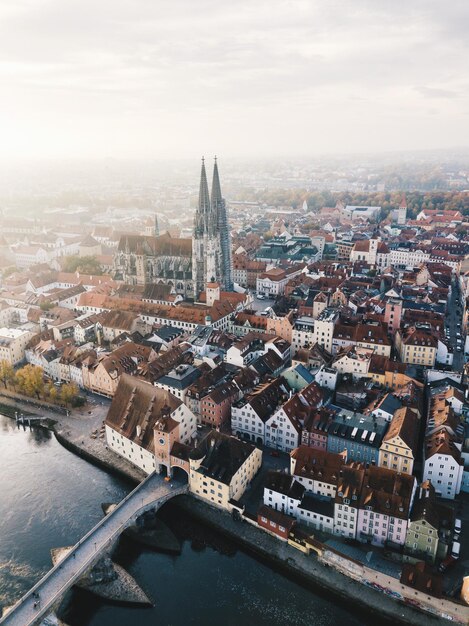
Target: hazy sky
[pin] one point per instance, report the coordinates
(149, 78)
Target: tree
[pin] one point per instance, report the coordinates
(30, 380)
(68, 393)
(52, 393)
(84, 264)
(7, 372)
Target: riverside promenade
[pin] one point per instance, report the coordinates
(46, 595)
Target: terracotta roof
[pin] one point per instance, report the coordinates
(421, 576)
(139, 404)
(442, 442)
(387, 492)
(276, 516)
(404, 424)
(121, 320)
(418, 337)
(266, 397)
(316, 464)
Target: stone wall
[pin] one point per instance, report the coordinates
(443, 607)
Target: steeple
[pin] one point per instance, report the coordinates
(216, 197)
(204, 198)
(223, 229)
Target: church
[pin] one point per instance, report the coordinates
(184, 264)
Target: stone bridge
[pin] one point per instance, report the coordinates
(46, 595)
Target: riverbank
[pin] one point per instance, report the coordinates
(73, 432)
(269, 549)
(306, 569)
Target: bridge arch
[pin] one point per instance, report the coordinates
(152, 493)
(180, 473)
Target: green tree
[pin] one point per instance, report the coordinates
(30, 380)
(7, 372)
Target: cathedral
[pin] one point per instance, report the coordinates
(211, 244)
(184, 265)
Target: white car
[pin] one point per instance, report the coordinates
(260, 296)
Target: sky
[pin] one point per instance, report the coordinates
(182, 78)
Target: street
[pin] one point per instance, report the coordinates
(260, 305)
(453, 318)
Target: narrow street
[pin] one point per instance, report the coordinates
(454, 325)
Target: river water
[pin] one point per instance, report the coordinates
(49, 498)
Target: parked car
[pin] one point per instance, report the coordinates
(260, 296)
(456, 550)
(457, 526)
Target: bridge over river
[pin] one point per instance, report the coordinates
(46, 595)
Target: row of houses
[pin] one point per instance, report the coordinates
(371, 504)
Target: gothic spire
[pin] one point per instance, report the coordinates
(203, 208)
(221, 225)
(204, 198)
(216, 189)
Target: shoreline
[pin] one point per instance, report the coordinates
(270, 550)
(106, 466)
(306, 570)
(259, 544)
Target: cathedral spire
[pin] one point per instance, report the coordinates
(216, 197)
(221, 225)
(204, 198)
(203, 208)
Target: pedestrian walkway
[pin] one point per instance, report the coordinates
(152, 493)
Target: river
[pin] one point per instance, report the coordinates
(49, 497)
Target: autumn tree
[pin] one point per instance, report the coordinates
(30, 380)
(52, 393)
(7, 372)
(68, 393)
(84, 264)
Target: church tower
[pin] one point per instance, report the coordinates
(221, 219)
(211, 245)
(199, 238)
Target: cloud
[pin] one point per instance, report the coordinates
(436, 92)
(83, 78)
